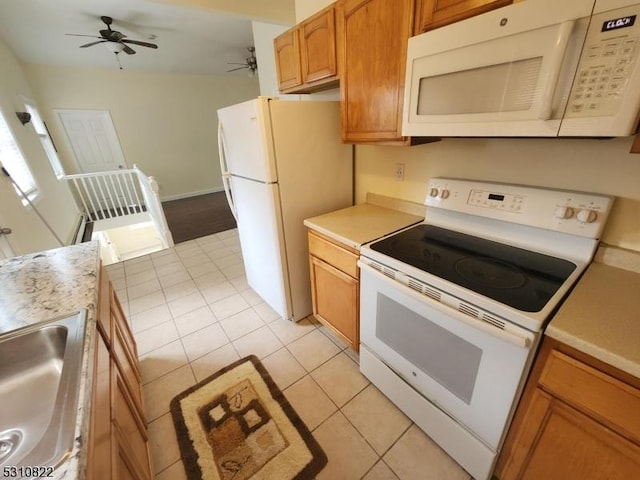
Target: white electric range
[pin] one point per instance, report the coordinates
(452, 310)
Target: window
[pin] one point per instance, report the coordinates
(45, 139)
(12, 159)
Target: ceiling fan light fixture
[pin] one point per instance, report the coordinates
(114, 47)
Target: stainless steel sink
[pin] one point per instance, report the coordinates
(40, 367)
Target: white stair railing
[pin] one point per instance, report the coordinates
(119, 193)
(107, 195)
(150, 188)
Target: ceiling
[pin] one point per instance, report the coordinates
(190, 39)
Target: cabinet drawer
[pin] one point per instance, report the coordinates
(602, 396)
(333, 254)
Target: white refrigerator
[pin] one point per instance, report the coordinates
(282, 161)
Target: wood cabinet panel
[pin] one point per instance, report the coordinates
(568, 444)
(318, 46)
(336, 300)
(306, 58)
(606, 398)
(372, 52)
(99, 461)
(333, 254)
(432, 14)
(118, 446)
(128, 368)
(287, 52)
(572, 421)
(130, 432)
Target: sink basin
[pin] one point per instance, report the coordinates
(39, 376)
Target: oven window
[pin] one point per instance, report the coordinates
(446, 358)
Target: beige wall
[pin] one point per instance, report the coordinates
(306, 8)
(603, 166)
(270, 10)
(54, 201)
(166, 123)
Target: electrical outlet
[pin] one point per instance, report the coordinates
(400, 172)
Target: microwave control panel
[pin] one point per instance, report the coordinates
(609, 57)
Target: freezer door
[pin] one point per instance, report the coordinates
(262, 242)
(246, 133)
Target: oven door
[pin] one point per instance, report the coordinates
(468, 368)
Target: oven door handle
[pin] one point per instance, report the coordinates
(401, 282)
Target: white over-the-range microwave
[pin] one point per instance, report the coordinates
(537, 68)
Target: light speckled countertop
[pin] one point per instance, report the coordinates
(600, 317)
(354, 226)
(41, 286)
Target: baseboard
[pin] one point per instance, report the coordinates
(191, 194)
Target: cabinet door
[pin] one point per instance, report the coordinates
(559, 442)
(432, 14)
(131, 455)
(99, 461)
(318, 47)
(373, 38)
(336, 301)
(287, 52)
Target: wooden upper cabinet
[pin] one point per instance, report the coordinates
(306, 54)
(287, 52)
(432, 14)
(318, 46)
(372, 51)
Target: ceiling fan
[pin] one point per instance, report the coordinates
(251, 63)
(116, 41)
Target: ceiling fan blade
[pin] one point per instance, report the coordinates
(138, 42)
(234, 69)
(80, 35)
(127, 49)
(92, 44)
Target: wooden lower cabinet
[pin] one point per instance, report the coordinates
(118, 446)
(335, 283)
(578, 419)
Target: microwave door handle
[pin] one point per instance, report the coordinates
(226, 181)
(557, 56)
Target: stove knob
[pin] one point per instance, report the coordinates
(587, 216)
(433, 192)
(564, 212)
(444, 193)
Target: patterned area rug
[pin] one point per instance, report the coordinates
(237, 425)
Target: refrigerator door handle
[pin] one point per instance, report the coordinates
(226, 181)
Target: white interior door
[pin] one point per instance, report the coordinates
(93, 140)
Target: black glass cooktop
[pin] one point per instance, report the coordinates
(516, 277)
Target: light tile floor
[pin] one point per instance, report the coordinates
(192, 312)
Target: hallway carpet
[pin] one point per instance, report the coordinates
(199, 216)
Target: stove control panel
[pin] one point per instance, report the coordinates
(577, 213)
